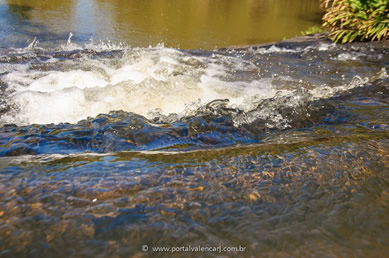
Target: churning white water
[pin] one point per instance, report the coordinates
(72, 83)
(140, 81)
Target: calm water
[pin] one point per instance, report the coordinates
(280, 150)
(176, 23)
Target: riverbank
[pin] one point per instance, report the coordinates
(301, 41)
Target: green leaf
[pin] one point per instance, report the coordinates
(350, 20)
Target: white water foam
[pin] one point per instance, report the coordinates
(146, 81)
(141, 81)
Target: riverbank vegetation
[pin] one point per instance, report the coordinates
(356, 20)
(313, 30)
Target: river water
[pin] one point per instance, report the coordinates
(108, 149)
(193, 24)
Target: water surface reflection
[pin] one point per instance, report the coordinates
(176, 23)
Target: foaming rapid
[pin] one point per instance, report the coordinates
(153, 80)
(73, 82)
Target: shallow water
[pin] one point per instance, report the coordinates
(189, 24)
(282, 150)
(108, 149)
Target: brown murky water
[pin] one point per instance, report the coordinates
(189, 24)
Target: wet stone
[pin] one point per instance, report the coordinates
(104, 208)
(77, 202)
(121, 202)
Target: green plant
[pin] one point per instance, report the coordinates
(350, 20)
(312, 30)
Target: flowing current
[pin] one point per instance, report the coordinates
(282, 149)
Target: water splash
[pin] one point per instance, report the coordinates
(75, 82)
